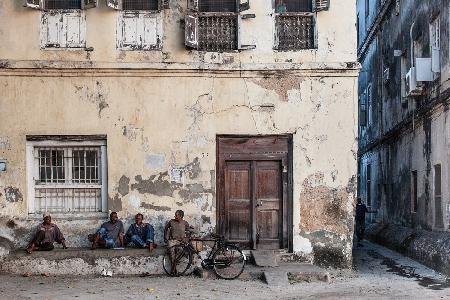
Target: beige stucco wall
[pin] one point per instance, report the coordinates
(161, 113)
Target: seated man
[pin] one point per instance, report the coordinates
(110, 234)
(46, 234)
(174, 231)
(140, 234)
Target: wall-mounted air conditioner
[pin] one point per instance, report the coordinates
(423, 70)
(411, 83)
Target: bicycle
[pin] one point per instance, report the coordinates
(225, 258)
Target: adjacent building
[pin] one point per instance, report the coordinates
(241, 113)
(404, 132)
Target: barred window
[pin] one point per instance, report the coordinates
(68, 178)
(62, 4)
(295, 25)
(140, 4)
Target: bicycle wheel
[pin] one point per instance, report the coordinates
(178, 255)
(228, 262)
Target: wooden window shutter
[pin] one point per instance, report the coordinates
(191, 31)
(35, 4)
(244, 5)
(116, 4)
(320, 5)
(86, 4)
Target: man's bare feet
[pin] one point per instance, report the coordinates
(30, 248)
(94, 246)
(151, 247)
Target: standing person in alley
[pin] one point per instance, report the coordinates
(360, 219)
(140, 234)
(46, 234)
(110, 234)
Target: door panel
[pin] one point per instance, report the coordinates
(268, 187)
(238, 201)
(254, 190)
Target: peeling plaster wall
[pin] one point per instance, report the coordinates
(177, 121)
(161, 116)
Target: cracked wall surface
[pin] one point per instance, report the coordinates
(161, 115)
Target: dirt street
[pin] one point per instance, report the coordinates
(378, 274)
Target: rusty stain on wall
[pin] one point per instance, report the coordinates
(280, 84)
(323, 208)
(96, 94)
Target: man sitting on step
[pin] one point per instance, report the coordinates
(140, 234)
(110, 234)
(46, 234)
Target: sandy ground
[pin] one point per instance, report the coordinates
(378, 274)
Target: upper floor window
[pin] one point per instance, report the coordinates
(139, 24)
(295, 23)
(213, 25)
(63, 22)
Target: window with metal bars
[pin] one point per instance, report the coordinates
(68, 179)
(295, 25)
(294, 32)
(212, 25)
(140, 4)
(62, 4)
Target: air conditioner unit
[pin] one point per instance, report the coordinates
(411, 83)
(423, 70)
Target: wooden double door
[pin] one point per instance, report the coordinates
(253, 190)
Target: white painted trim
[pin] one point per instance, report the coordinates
(104, 178)
(30, 170)
(51, 143)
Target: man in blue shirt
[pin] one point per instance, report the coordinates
(141, 234)
(110, 235)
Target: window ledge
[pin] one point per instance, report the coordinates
(71, 216)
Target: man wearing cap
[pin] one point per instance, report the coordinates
(46, 234)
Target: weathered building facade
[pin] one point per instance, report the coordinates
(403, 47)
(242, 114)
(403, 128)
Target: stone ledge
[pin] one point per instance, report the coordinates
(428, 247)
(86, 253)
(83, 261)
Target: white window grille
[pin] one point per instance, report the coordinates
(67, 177)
